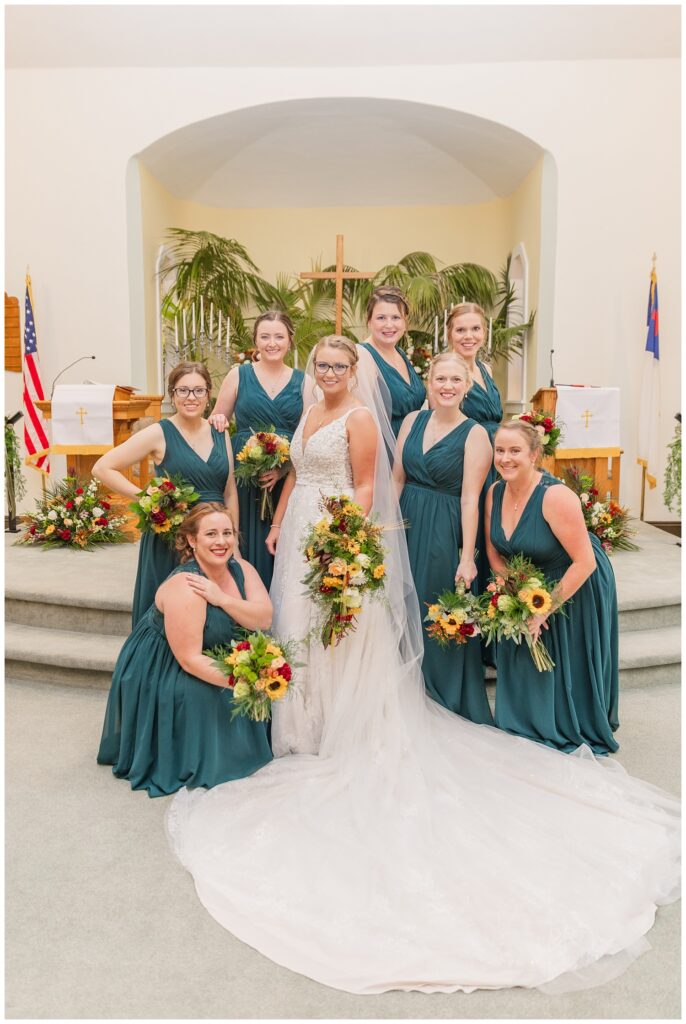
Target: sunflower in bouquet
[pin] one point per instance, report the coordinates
(162, 506)
(345, 559)
(512, 597)
(263, 451)
(259, 671)
(453, 616)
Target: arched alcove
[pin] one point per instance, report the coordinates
(392, 175)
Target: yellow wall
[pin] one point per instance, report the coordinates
(290, 240)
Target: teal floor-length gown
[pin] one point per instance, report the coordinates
(484, 406)
(164, 728)
(256, 410)
(157, 558)
(430, 502)
(405, 398)
(577, 701)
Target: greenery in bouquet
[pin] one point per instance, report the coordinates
(549, 430)
(162, 506)
(259, 671)
(73, 514)
(672, 492)
(608, 520)
(453, 616)
(345, 559)
(263, 451)
(510, 600)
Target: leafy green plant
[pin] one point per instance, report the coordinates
(15, 485)
(672, 491)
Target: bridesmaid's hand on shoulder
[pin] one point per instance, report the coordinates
(218, 421)
(206, 589)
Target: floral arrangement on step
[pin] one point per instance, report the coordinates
(345, 559)
(162, 506)
(512, 598)
(608, 520)
(546, 426)
(263, 451)
(259, 673)
(420, 358)
(453, 616)
(73, 514)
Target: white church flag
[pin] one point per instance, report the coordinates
(588, 417)
(82, 416)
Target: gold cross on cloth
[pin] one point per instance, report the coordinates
(81, 412)
(586, 415)
(338, 276)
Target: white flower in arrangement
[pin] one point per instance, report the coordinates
(534, 582)
(52, 514)
(504, 603)
(583, 498)
(243, 657)
(96, 512)
(363, 559)
(68, 522)
(78, 500)
(357, 579)
(145, 503)
(598, 508)
(351, 596)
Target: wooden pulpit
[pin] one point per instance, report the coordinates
(128, 409)
(603, 464)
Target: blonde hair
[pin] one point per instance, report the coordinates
(191, 524)
(182, 369)
(339, 342)
(444, 357)
(530, 435)
(461, 309)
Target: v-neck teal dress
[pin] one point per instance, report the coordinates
(577, 701)
(156, 558)
(165, 728)
(256, 410)
(405, 398)
(430, 502)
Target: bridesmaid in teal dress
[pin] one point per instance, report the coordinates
(534, 514)
(185, 444)
(443, 459)
(467, 334)
(168, 720)
(387, 315)
(264, 394)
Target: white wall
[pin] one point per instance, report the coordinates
(611, 128)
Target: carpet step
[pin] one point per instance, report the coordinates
(650, 657)
(50, 613)
(60, 655)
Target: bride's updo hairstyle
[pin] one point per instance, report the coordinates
(344, 344)
(450, 357)
(191, 524)
(530, 436)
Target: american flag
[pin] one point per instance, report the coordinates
(35, 436)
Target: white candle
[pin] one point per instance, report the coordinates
(185, 331)
(228, 333)
(490, 334)
(436, 334)
(219, 333)
(194, 335)
(176, 332)
(202, 311)
(445, 328)
(211, 318)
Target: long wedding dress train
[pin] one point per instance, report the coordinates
(419, 851)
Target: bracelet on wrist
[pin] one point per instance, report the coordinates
(276, 526)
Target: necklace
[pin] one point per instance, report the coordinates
(525, 494)
(274, 388)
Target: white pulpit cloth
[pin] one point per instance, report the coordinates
(588, 416)
(82, 414)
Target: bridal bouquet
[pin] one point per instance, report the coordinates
(345, 556)
(264, 450)
(259, 673)
(608, 520)
(550, 432)
(162, 505)
(73, 515)
(453, 616)
(510, 600)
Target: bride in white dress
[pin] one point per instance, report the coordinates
(415, 850)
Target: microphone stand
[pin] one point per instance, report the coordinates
(79, 360)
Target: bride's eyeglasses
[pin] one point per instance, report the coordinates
(338, 368)
(185, 392)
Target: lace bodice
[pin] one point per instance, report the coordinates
(324, 463)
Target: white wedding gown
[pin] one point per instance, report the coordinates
(418, 851)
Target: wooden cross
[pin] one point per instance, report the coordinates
(81, 412)
(587, 415)
(339, 276)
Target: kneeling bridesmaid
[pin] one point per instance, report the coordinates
(168, 720)
(531, 513)
(442, 461)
